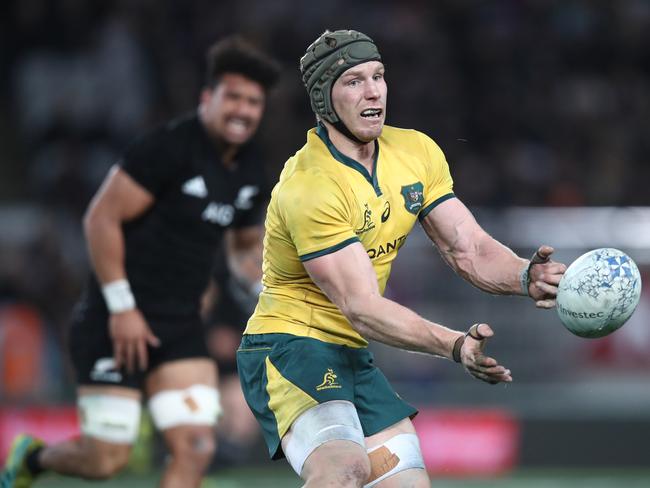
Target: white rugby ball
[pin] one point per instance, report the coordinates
(598, 292)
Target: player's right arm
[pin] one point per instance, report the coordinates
(349, 281)
(119, 199)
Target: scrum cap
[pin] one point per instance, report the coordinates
(326, 59)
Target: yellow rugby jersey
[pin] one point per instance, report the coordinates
(325, 201)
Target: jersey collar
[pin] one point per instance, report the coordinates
(321, 131)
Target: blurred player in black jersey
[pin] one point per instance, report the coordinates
(152, 231)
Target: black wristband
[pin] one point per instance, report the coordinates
(455, 353)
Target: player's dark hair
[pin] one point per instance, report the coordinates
(235, 55)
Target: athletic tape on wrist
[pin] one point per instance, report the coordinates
(458, 343)
(524, 280)
(118, 296)
(524, 277)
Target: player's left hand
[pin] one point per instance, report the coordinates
(478, 364)
(544, 277)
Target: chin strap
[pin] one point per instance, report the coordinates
(342, 128)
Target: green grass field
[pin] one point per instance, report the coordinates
(284, 478)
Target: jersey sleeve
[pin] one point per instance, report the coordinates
(316, 214)
(152, 161)
(439, 185)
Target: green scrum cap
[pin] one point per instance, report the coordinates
(326, 59)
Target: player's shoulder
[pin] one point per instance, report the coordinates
(186, 129)
(411, 141)
(170, 133)
(310, 167)
(401, 135)
(306, 187)
(305, 192)
(311, 180)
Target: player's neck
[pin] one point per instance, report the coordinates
(363, 153)
(228, 152)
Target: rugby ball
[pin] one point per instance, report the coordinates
(598, 292)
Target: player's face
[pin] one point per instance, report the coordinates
(233, 109)
(359, 98)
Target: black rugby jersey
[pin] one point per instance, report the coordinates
(170, 249)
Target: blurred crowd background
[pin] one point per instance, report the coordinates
(536, 103)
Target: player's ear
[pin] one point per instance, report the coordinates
(206, 94)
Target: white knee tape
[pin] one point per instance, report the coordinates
(196, 405)
(109, 418)
(397, 454)
(329, 421)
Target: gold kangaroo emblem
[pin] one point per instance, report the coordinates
(368, 224)
(329, 381)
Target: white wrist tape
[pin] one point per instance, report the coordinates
(524, 280)
(118, 296)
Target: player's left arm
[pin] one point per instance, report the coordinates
(485, 262)
(244, 255)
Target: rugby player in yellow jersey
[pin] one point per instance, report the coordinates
(343, 206)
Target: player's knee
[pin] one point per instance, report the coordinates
(203, 449)
(355, 471)
(195, 450)
(352, 470)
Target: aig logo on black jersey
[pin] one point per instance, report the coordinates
(218, 213)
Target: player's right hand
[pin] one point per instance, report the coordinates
(131, 334)
(544, 278)
(478, 364)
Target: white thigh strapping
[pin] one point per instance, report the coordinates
(196, 405)
(334, 420)
(109, 418)
(397, 454)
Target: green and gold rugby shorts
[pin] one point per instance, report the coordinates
(283, 375)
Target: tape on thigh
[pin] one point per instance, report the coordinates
(397, 454)
(329, 421)
(196, 405)
(109, 418)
